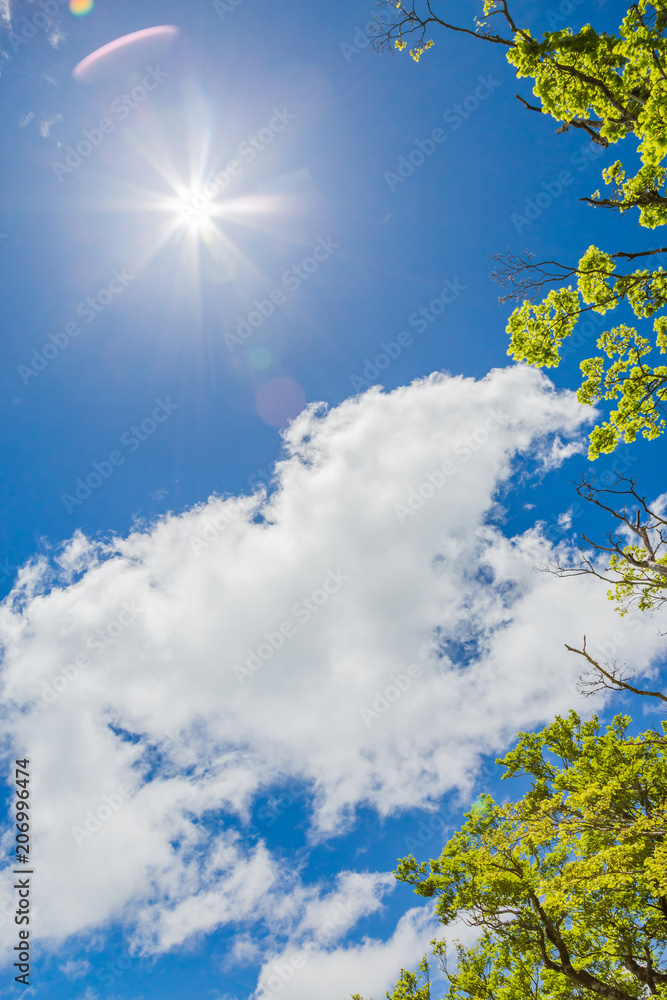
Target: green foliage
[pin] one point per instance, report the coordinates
(568, 886)
(640, 387)
(611, 86)
(617, 83)
(638, 575)
(537, 331)
(643, 191)
(620, 85)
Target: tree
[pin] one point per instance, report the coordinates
(637, 548)
(637, 570)
(610, 87)
(568, 886)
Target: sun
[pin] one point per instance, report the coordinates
(195, 216)
(184, 206)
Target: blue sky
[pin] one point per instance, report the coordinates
(263, 803)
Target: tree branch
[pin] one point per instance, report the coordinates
(638, 253)
(614, 678)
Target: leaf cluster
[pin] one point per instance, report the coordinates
(612, 87)
(632, 379)
(568, 886)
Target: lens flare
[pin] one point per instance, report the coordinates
(260, 357)
(81, 7)
(481, 808)
(129, 50)
(280, 400)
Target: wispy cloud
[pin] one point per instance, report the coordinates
(75, 968)
(46, 124)
(56, 36)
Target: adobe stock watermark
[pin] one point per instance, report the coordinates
(618, 639)
(552, 190)
(7, 570)
(97, 642)
(88, 310)
(279, 804)
(281, 973)
(400, 683)
(362, 37)
(465, 448)
(246, 152)
(591, 326)
(261, 478)
(222, 7)
(341, 916)
(425, 832)
(214, 526)
(303, 611)
(93, 822)
(131, 439)
(283, 970)
(621, 463)
(560, 525)
(605, 650)
(454, 117)
(7, 908)
(558, 19)
(106, 976)
(419, 320)
(41, 20)
(292, 279)
(122, 107)
(383, 700)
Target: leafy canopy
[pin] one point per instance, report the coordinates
(568, 886)
(611, 87)
(629, 377)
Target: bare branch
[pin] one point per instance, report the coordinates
(526, 277)
(609, 677)
(638, 253)
(523, 275)
(645, 198)
(406, 20)
(637, 572)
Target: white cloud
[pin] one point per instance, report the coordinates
(369, 968)
(46, 124)
(324, 918)
(56, 36)
(158, 734)
(75, 968)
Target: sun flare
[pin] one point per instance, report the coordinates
(193, 217)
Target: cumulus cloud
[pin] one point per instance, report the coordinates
(324, 918)
(369, 968)
(364, 629)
